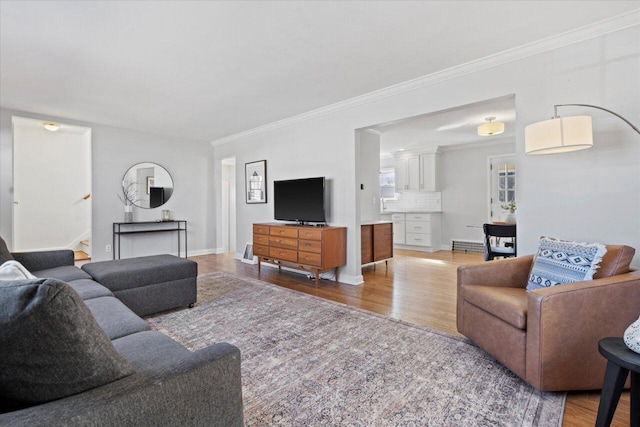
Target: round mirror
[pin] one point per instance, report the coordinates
(147, 185)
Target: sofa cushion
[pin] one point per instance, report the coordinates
(508, 304)
(88, 289)
(115, 319)
(148, 350)
(558, 262)
(130, 273)
(5, 254)
(50, 344)
(616, 261)
(65, 273)
(13, 270)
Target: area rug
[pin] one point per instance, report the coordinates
(307, 361)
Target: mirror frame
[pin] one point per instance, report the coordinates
(132, 187)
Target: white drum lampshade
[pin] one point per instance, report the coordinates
(559, 135)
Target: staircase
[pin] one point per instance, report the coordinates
(84, 253)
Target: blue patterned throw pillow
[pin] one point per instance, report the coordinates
(558, 262)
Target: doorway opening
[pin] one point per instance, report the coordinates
(51, 187)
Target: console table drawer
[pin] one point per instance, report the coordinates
(307, 258)
(260, 239)
(283, 242)
(314, 246)
(310, 234)
(284, 232)
(260, 229)
(284, 254)
(260, 250)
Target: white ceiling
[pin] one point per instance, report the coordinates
(453, 127)
(206, 70)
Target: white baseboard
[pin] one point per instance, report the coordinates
(445, 247)
(203, 252)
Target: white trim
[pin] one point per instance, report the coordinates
(490, 176)
(468, 145)
(596, 29)
(202, 252)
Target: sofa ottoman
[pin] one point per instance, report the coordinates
(149, 284)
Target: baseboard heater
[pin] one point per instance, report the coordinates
(474, 246)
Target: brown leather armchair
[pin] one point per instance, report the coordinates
(548, 337)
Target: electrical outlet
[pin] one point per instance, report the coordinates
(107, 248)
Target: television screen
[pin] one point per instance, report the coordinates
(299, 200)
(156, 197)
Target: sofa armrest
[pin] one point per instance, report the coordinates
(565, 323)
(202, 389)
(509, 272)
(42, 260)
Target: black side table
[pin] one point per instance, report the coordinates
(620, 360)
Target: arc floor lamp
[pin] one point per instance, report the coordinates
(563, 134)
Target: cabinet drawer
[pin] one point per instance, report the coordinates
(284, 254)
(306, 258)
(310, 234)
(398, 217)
(418, 239)
(417, 227)
(314, 246)
(283, 242)
(260, 250)
(284, 232)
(260, 239)
(260, 229)
(418, 217)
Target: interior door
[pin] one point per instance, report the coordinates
(502, 175)
(52, 186)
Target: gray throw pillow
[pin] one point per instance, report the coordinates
(50, 344)
(5, 254)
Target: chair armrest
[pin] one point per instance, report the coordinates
(202, 389)
(565, 323)
(42, 260)
(510, 272)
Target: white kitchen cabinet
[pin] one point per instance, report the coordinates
(398, 228)
(429, 172)
(417, 172)
(407, 173)
(417, 231)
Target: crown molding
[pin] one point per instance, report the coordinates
(596, 29)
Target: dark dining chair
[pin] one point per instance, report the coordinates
(494, 246)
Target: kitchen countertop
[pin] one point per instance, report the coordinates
(392, 212)
(375, 222)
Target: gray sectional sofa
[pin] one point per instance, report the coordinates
(151, 379)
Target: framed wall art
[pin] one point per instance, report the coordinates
(255, 181)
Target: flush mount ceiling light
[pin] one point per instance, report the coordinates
(563, 134)
(491, 128)
(51, 126)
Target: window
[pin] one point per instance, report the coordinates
(387, 183)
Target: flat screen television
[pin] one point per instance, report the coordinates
(300, 200)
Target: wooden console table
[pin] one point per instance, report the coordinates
(127, 228)
(307, 248)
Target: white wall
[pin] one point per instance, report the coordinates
(591, 195)
(369, 159)
(114, 151)
(465, 192)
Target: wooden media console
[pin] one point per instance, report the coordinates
(307, 248)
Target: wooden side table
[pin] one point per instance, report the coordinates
(620, 360)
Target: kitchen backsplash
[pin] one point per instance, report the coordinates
(413, 201)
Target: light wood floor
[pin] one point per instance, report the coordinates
(416, 287)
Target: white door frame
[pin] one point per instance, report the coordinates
(489, 176)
